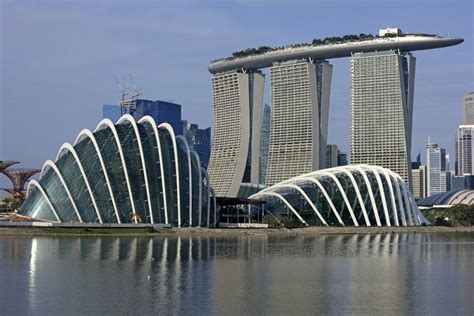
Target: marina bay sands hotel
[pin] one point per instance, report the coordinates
(382, 71)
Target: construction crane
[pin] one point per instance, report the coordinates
(128, 106)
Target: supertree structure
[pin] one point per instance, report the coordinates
(4, 164)
(19, 177)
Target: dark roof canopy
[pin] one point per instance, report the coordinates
(449, 198)
(224, 201)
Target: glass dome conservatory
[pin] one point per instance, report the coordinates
(349, 195)
(130, 172)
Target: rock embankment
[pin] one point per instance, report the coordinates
(307, 231)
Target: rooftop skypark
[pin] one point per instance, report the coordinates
(331, 47)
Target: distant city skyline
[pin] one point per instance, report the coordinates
(51, 86)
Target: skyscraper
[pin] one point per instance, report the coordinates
(381, 89)
(341, 158)
(264, 142)
(300, 93)
(300, 85)
(419, 182)
(464, 150)
(332, 154)
(468, 109)
(235, 153)
(161, 112)
(436, 173)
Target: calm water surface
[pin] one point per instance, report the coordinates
(350, 274)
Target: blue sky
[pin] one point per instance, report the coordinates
(58, 58)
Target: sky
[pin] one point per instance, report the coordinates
(58, 60)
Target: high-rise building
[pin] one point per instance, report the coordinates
(468, 109)
(436, 173)
(381, 90)
(235, 153)
(112, 112)
(161, 112)
(341, 159)
(464, 150)
(419, 182)
(264, 142)
(416, 164)
(199, 140)
(300, 93)
(462, 182)
(300, 85)
(332, 155)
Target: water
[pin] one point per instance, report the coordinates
(345, 274)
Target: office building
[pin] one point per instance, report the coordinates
(161, 112)
(416, 164)
(468, 109)
(235, 153)
(464, 150)
(300, 93)
(112, 112)
(419, 182)
(381, 90)
(264, 142)
(341, 159)
(332, 155)
(199, 140)
(437, 172)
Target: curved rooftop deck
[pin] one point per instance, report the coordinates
(409, 42)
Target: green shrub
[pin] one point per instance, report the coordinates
(458, 215)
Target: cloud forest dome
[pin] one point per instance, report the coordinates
(130, 172)
(354, 195)
(327, 48)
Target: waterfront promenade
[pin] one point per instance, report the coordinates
(306, 231)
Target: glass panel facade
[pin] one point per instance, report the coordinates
(95, 175)
(57, 195)
(170, 175)
(37, 206)
(77, 187)
(133, 162)
(113, 164)
(196, 183)
(152, 159)
(183, 180)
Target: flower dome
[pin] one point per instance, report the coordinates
(128, 172)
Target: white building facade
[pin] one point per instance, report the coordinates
(235, 153)
(468, 109)
(464, 150)
(300, 92)
(436, 174)
(382, 87)
(419, 182)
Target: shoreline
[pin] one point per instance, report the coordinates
(222, 232)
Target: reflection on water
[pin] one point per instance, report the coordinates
(358, 274)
